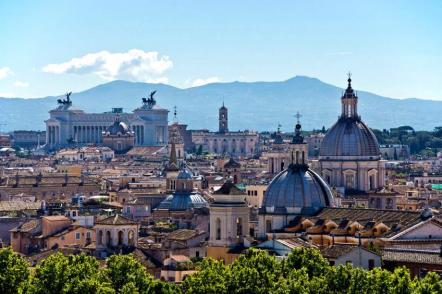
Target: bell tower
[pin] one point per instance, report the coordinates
(223, 119)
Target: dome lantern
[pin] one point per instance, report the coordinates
(349, 101)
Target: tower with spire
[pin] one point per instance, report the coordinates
(223, 120)
(176, 137)
(172, 169)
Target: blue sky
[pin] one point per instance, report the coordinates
(393, 48)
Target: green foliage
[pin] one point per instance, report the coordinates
(125, 273)
(14, 272)
(310, 259)
(423, 143)
(212, 277)
(68, 274)
(303, 271)
(254, 272)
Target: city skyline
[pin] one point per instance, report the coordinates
(59, 46)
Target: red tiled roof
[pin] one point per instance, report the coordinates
(116, 220)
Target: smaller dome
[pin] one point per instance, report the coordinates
(184, 174)
(183, 201)
(118, 127)
(296, 190)
(232, 163)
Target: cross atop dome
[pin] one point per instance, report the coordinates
(175, 118)
(298, 138)
(298, 116)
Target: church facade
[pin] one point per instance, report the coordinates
(238, 143)
(67, 124)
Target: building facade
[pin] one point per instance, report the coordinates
(28, 139)
(239, 143)
(67, 124)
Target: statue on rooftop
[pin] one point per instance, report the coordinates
(149, 102)
(66, 101)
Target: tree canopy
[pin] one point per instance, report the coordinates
(303, 271)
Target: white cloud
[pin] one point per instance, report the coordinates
(5, 72)
(200, 82)
(20, 84)
(133, 65)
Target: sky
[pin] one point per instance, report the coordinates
(393, 48)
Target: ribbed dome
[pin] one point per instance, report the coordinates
(349, 136)
(297, 190)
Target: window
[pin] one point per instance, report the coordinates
(370, 264)
(349, 180)
(100, 237)
(77, 236)
(238, 227)
(197, 253)
(268, 225)
(218, 229)
(88, 235)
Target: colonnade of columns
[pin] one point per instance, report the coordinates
(89, 134)
(139, 134)
(53, 134)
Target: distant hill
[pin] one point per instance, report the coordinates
(256, 106)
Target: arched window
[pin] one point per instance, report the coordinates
(131, 237)
(218, 229)
(108, 238)
(100, 237)
(372, 182)
(120, 238)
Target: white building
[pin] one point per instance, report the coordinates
(239, 143)
(67, 124)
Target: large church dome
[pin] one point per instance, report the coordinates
(350, 136)
(297, 190)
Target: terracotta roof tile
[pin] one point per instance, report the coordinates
(116, 220)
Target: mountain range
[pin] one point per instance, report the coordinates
(252, 105)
